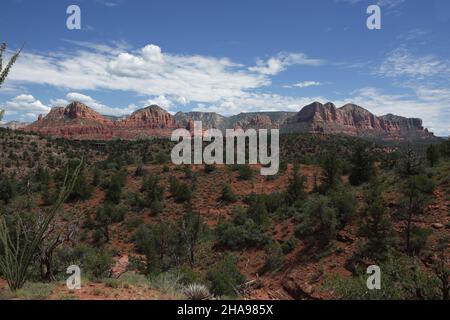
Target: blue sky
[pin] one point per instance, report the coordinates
(229, 56)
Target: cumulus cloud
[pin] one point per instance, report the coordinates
(94, 104)
(150, 71)
(26, 106)
(253, 102)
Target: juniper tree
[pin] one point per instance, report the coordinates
(362, 169)
(376, 226)
(416, 194)
(296, 188)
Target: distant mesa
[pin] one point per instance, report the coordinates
(354, 120)
(78, 121)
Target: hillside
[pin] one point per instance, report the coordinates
(256, 232)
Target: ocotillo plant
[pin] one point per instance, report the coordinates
(4, 72)
(19, 246)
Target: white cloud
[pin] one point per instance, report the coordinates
(305, 84)
(402, 63)
(254, 102)
(25, 106)
(149, 71)
(98, 106)
(279, 63)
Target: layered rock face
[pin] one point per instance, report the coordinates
(78, 121)
(255, 120)
(356, 121)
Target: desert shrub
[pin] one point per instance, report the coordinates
(160, 245)
(161, 157)
(196, 292)
(225, 278)
(273, 258)
(94, 263)
(114, 188)
(245, 172)
(7, 189)
(237, 236)
(258, 211)
(82, 190)
(107, 215)
(402, 279)
(180, 191)
(153, 193)
(209, 168)
(345, 202)
(140, 171)
(227, 194)
(289, 245)
(419, 239)
(318, 220)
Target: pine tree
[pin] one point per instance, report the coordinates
(433, 155)
(376, 227)
(296, 188)
(362, 165)
(416, 194)
(331, 170)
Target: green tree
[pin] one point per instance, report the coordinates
(362, 169)
(376, 226)
(296, 187)
(441, 267)
(7, 189)
(192, 228)
(433, 155)
(225, 277)
(153, 193)
(416, 194)
(331, 171)
(258, 210)
(107, 215)
(319, 222)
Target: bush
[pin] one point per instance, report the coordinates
(153, 193)
(273, 258)
(247, 235)
(319, 220)
(245, 172)
(225, 278)
(227, 195)
(180, 191)
(7, 189)
(345, 202)
(94, 263)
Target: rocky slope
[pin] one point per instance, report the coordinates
(356, 121)
(78, 121)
